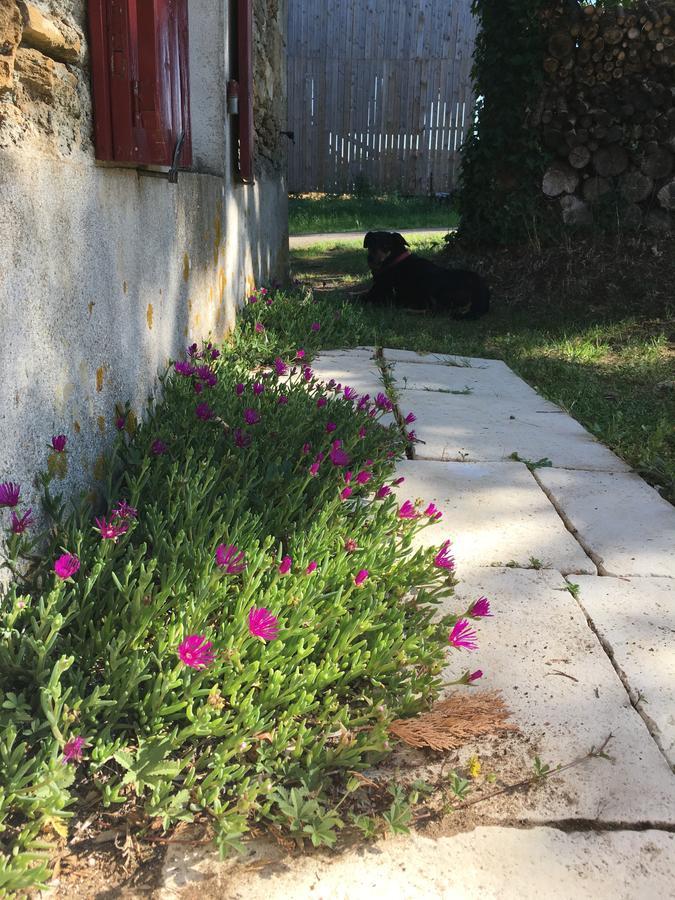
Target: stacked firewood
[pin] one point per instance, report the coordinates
(608, 111)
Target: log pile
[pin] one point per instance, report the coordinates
(607, 113)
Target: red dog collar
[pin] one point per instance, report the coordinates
(399, 259)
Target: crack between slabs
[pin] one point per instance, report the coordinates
(390, 389)
(581, 825)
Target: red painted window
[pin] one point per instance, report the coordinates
(139, 62)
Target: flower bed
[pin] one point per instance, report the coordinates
(241, 610)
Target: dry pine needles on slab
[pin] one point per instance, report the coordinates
(455, 721)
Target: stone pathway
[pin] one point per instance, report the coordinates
(577, 558)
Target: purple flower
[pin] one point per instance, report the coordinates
(443, 560)
(215, 354)
(433, 512)
(260, 328)
(285, 565)
(280, 366)
(316, 326)
(339, 457)
(363, 402)
(72, 750)
(321, 402)
(204, 412)
(300, 354)
(307, 373)
(474, 676)
(330, 426)
(363, 477)
(463, 636)
(239, 389)
(231, 559)
(350, 393)
(66, 566)
(206, 375)
(346, 493)
(111, 530)
(362, 432)
(383, 492)
(258, 388)
(192, 351)
(120, 423)
(306, 448)
(408, 511)
(480, 608)
(198, 387)
(412, 436)
(361, 577)
(252, 298)
(398, 481)
(410, 418)
(311, 568)
(196, 652)
(283, 400)
(262, 624)
(314, 469)
(124, 511)
(383, 402)
(251, 416)
(9, 493)
(241, 438)
(158, 447)
(20, 524)
(59, 442)
(184, 368)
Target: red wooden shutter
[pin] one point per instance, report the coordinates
(245, 67)
(139, 51)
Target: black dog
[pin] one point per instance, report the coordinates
(410, 281)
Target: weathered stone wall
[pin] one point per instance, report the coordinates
(105, 274)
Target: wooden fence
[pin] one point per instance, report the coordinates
(379, 93)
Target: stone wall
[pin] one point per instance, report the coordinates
(106, 274)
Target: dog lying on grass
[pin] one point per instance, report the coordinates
(412, 282)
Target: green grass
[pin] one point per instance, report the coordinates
(597, 346)
(327, 213)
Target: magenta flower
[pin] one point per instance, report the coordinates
(307, 373)
(241, 438)
(330, 427)
(184, 368)
(260, 328)
(346, 493)
(480, 608)
(251, 416)
(204, 412)
(306, 447)
(463, 636)
(408, 511)
(239, 389)
(9, 493)
(433, 512)
(348, 477)
(158, 447)
(363, 402)
(314, 469)
(350, 393)
(351, 545)
(263, 291)
(111, 530)
(383, 402)
(443, 560)
(124, 511)
(252, 298)
(231, 559)
(363, 477)
(383, 492)
(339, 457)
(20, 524)
(72, 750)
(66, 566)
(192, 351)
(474, 676)
(285, 565)
(196, 652)
(280, 366)
(361, 577)
(398, 481)
(316, 326)
(319, 457)
(197, 387)
(258, 388)
(312, 567)
(321, 402)
(300, 354)
(362, 432)
(215, 354)
(410, 418)
(283, 400)
(262, 624)
(206, 375)
(59, 442)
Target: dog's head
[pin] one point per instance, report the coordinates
(383, 246)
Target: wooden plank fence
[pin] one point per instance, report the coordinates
(379, 92)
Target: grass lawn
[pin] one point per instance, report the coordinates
(592, 333)
(308, 213)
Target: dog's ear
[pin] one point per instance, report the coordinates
(367, 239)
(397, 242)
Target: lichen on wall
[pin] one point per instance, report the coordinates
(269, 85)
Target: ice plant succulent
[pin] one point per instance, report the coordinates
(21, 523)
(280, 366)
(124, 511)
(204, 412)
(158, 448)
(242, 439)
(462, 636)
(263, 624)
(59, 442)
(443, 560)
(480, 608)
(9, 493)
(111, 530)
(311, 568)
(285, 565)
(339, 457)
(316, 326)
(184, 368)
(196, 652)
(251, 416)
(474, 676)
(66, 566)
(230, 558)
(408, 511)
(433, 512)
(72, 750)
(361, 577)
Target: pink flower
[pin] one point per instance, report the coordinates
(66, 566)
(321, 402)
(280, 366)
(124, 511)
(192, 351)
(242, 439)
(314, 469)
(184, 369)
(383, 492)
(307, 373)
(480, 608)
(463, 636)
(196, 652)
(120, 423)
(339, 457)
(330, 426)
(408, 511)
(363, 402)
(443, 560)
(412, 436)
(72, 750)
(258, 388)
(363, 477)
(306, 448)
(316, 326)
(398, 481)
(346, 493)
(433, 512)
(260, 328)
(251, 416)
(262, 624)
(351, 545)
(197, 387)
(215, 354)
(110, 531)
(9, 493)
(350, 393)
(158, 447)
(283, 400)
(312, 567)
(263, 291)
(204, 412)
(348, 477)
(383, 402)
(20, 524)
(300, 354)
(230, 558)
(285, 565)
(252, 298)
(362, 432)
(474, 676)
(239, 389)
(410, 418)
(361, 577)
(59, 442)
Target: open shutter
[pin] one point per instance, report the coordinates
(140, 77)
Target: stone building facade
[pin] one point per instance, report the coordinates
(105, 273)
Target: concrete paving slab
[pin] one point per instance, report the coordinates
(625, 524)
(491, 381)
(494, 513)
(483, 864)
(348, 353)
(566, 698)
(635, 619)
(361, 374)
(448, 359)
(479, 426)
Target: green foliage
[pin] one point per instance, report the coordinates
(267, 731)
(358, 212)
